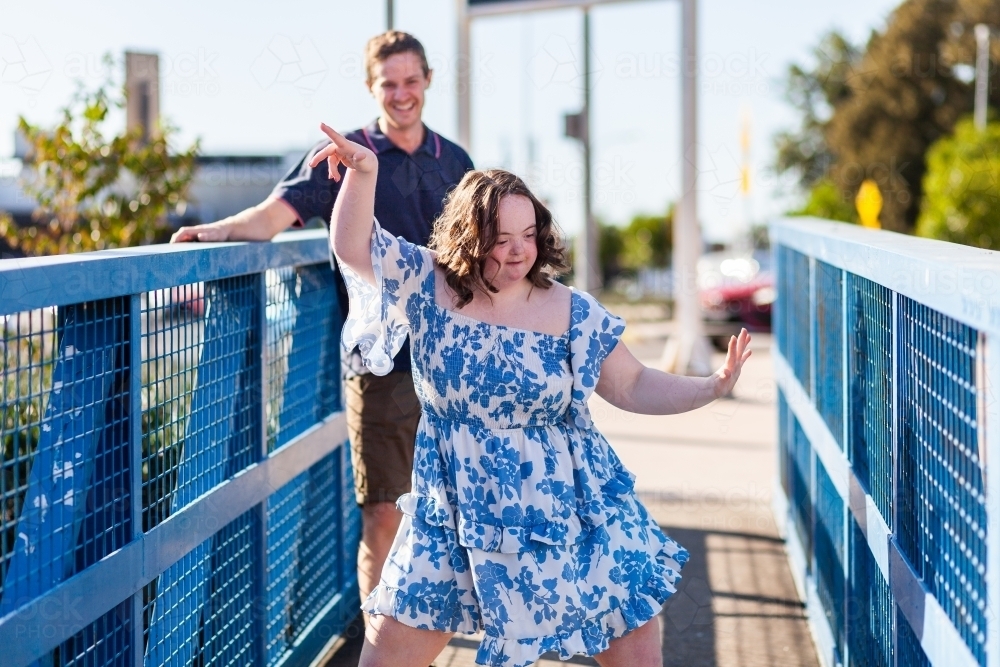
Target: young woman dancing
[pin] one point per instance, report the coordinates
(522, 520)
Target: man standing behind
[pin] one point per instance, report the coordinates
(417, 168)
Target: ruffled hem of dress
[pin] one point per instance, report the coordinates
(416, 612)
(553, 531)
(596, 635)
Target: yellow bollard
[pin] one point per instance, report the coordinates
(869, 204)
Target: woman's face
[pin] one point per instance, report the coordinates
(516, 248)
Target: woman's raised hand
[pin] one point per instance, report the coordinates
(726, 377)
(345, 152)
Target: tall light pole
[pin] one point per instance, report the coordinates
(464, 76)
(389, 14)
(687, 350)
(982, 73)
(587, 270)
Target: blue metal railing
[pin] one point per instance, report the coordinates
(174, 484)
(888, 363)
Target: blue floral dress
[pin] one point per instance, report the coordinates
(522, 521)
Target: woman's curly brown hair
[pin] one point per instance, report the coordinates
(469, 225)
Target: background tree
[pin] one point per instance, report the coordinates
(645, 242)
(905, 90)
(97, 191)
(609, 250)
(962, 188)
(815, 93)
(826, 201)
(906, 97)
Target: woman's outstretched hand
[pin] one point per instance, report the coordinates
(343, 152)
(736, 356)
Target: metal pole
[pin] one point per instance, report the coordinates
(982, 73)
(587, 264)
(687, 351)
(389, 14)
(464, 78)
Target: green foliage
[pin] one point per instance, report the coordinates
(962, 188)
(815, 92)
(647, 241)
(609, 249)
(97, 191)
(874, 113)
(828, 202)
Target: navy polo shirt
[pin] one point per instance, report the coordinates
(409, 192)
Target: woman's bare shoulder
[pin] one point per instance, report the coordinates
(552, 306)
(557, 293)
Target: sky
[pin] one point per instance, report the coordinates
(258, 77)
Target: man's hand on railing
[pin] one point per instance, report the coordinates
(258, 223)
(203, 233)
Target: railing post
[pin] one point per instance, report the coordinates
(989, 369)
(258, 352)
(894, 465)
(135, 457)
(849, 515)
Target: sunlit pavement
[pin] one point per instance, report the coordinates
(707, 477)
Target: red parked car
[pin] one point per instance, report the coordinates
(735, 290)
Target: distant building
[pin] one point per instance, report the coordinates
(222, 185)
(227, 184)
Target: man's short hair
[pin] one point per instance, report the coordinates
(389, 43)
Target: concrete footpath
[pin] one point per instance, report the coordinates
(707, 476)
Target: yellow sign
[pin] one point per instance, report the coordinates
(869, 204)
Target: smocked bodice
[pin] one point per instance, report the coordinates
(489, 375)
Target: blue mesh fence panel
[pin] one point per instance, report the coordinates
(284, 531)
(793, 312)
(67, 472)
(942, 491)
(199, 372)
(321, 545)
(830, 553)
(784, 446)
(869, 318)
(780, 299)
(202, 609)
(30, 351)
(303, 323)
(909, 653)
(67, 485)
(173, 323)
(829, 348)
(350, 517)
(869, 608)
(107, 642)
(801, 483)
(304, 552)
(228, 623)
(219, 439)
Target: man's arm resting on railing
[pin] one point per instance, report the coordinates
(258, 223)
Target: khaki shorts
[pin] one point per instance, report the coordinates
(382, 417)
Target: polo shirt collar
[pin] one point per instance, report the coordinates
(379, 143)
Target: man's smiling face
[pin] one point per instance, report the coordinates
(398, 84)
